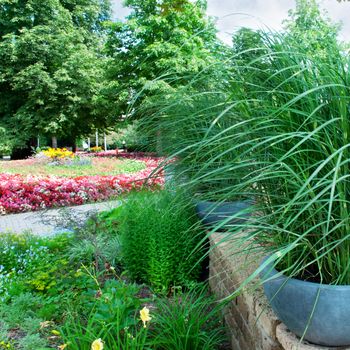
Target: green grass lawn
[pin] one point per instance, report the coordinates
(98, 166)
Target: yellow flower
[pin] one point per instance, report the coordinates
(62, 347)
(97, 344)
(58, 153)
(144, 315)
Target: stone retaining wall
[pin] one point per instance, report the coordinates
(251, 322)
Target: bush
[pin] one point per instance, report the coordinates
(58, 153)
(111, 315)
(159, 234)
(96, 149)
(6, 144)
(187, 321)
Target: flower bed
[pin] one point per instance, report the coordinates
(20, 193)
(119, 154)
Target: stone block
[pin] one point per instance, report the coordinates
(290, 341)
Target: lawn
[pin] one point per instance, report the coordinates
(98, 166)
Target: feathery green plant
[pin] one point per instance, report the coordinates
(158, 236)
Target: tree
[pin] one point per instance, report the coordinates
(248, 46)
(5, 143)
(165, 41)
(312, 29)
(51, 71)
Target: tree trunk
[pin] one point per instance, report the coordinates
(105, 141)
(74, 146)
(54, 141)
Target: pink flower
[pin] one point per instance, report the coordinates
(19, 193)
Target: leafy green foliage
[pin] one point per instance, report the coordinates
(134, 137)
(98, 241)
(188, 321)
(312, 30)
(5, 143)
(159, 234)
(50, 72)
(31, 285)
(112, 317)
(158, 38)
(72, 295)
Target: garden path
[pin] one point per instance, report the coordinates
(51, 221)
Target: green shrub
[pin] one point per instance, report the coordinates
(33, 342)
(112, 315)
(30, 263)
(159, 233)
(188, 321)
(97, 241)
(6, 144)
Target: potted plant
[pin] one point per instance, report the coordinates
(314, 311)
(221, 210)
(284, 141)
(298, 168)
(283, 138)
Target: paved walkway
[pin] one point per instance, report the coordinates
(51, 221)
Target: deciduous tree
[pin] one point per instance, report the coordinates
(50, 71)
(165, 41)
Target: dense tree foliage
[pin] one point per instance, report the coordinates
(311, 28)
(66, 69)
(172, 37)
(50, 71)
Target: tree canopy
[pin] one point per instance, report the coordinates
(67, 69)
(51, 70)
(172, 37)
(312, 28)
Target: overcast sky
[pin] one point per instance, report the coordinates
(233, 14)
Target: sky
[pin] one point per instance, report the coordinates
(233, 14)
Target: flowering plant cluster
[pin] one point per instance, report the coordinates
(20, 193)
(116, 153)
(58, 153)
(96, 149)
(18, 257)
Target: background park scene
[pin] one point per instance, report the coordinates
(169, 182)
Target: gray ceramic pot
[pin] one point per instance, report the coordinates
(293, 301)
(212, 213)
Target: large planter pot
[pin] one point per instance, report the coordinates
(212, 213)
(294, 301)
